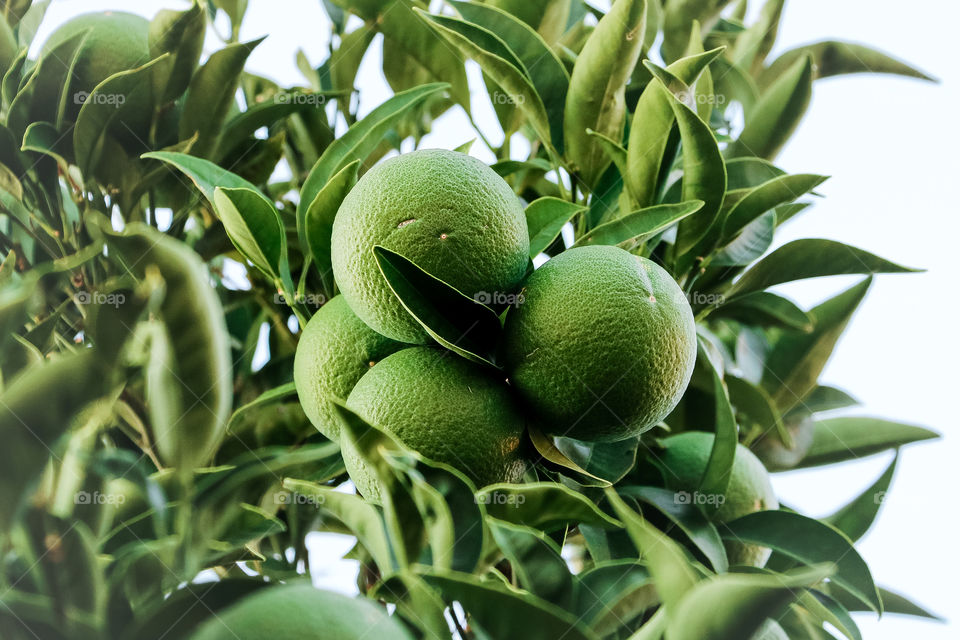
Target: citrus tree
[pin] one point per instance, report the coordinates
(580, 450)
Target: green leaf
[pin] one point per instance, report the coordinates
(752, 242)
(777, 113)
(797, 359)
(536, 562)
(736, 605)
(458, 322)
(823, 608)
(649, 135)
(266, 398)
(609, 460)
(43, 137)
(753, 45)
(612, 594)
(547, 74)
(641, 224)
(253, 225)
(666, 560)
(36, 408)
(893, 602)
(545, 218)
(211, 93)
(747, 173)
(361, 139)
(549, 453)
(851, 437)
(855, 518)
(808, 541)
(811, 258)
(826, 398)
(765, 309)
(500, 63)
(613, 150)
(689, 518)
(768, 196)
(596, 98)
(716, 475)
(179, 33)
(101, 108)
(704, 175)
(547, 506)
(833, 57)
(194, 319)
(499, 611)
(318, 218)
(206, 175)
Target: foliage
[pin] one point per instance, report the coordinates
(144, 447)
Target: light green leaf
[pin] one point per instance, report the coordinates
(768, 196)
(716, 475)
(317, 223)
(206, 175)
(640, 224)
(266, 398)
(179, 33)
(852, 437)
(855, 518)
(253, 225)
(545, 218)
(546, 506)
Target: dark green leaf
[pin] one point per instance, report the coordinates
(536, 562)
(763, 309)
(318, 218)
(612, 594)
(547, 506)
(716, 475)
(826, 398)
(767, 196)
(893, 602)
(848, 438)
(609, 460)
(551, 455)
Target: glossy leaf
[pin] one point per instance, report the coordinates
(545, 218)
(776, 114)
(808, 541)
(458, 322)
(254, 226)
(546, 506)
(266, 398)
(852, 437)
(768, 196)
(596, 99)
(811, 258)
(736, 605)
(318, 218)
(640, 224)
(752, 242)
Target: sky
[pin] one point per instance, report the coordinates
(889, 145)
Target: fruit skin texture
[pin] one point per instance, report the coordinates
(448, 213)
(683, 463)
(301, 611)
(444, 407)
(335, 350)
(117, 41)
(603, 346)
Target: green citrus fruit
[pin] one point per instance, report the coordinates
(116, 41)
(602, 345)
(683, 462)
(445, 211)
(778, 457)
(336, 348)
(444, 407)
(301, 611)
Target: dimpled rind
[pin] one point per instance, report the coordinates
(448, 213)
(444, 407)
(335, 350)
(304, 612)
(684, 459)
(602, 346)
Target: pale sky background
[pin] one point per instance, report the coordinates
(890, 145)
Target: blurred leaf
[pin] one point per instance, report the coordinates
(666, 560)
(677, 18)
(179, 33)
(317, 223)
(596, 98)
(776, 114)
(546, 506)
(892, 603)
(211, 93)
(500, 611)
(833, 57)
(797, 359)
(811, 258)
(545, 218)
(267, 397)
(500, 63)
(825, 609)
(736, 605)
(753, 45)
(458, 322)
(536, 562)
(540, 64)
(855, 518)
(36, 408)
(763, 308)
(612, 594)
(689, 518)
(851, 437)
(826, 398)
(100, 109)
(808, 541)
(640, 224)
(194, 319)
